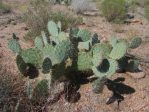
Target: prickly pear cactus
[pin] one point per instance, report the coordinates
(59, 53)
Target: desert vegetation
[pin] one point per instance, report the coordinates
(74, 55)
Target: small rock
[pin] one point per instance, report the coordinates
(137, 75)
(25, 28)
(2, 36)
(13, 23)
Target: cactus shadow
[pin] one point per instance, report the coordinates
(32, 71)
(71, 88)
(118, 89)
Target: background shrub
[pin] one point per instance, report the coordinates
(146, 9)
(114, 10)
(40, 12)
(4, 8)
(80, 6)
(37, 16)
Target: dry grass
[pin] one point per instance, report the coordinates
(13, 96)
(40, 12)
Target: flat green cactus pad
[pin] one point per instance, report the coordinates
(97, 59)
(84, 45)
(119, 50)
(14, 46)
(135, 42)
(38, 42)
(44, 37)
(84, 35)
(104, 48)
(106, 69)
(48, 51)
(62, 51)
(53, 28)
(74, 31)
(32, 56)
(46, 65)
(113, 41)
(22, 66)
(84, 61)
(62, 36)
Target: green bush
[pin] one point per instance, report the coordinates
(114, 10)
(4, 8)
(146, 9)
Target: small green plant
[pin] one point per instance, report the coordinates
(4, 8)
(114, 10)
(61, 53)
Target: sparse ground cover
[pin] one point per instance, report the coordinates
(136, 100)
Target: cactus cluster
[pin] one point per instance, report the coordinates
(58, 53)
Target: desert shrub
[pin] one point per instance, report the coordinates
(81, 6)
(114, 10)
(4, 8)
(146, 9)
(40, 12)
(37, 16)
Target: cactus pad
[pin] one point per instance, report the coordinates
(113, 41)
(84, 45)
(14, 46)
(62, 36)
(119, 50)
(97, 59)
(53, 28)
(107, 68)
(46, 65)
(135, 42)
(22, 66)
(84, 61)
(62, 51)
(103, 48)
(45, 39)
(38, 42)
(32, 56)
(74, 31)
(84, 35)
